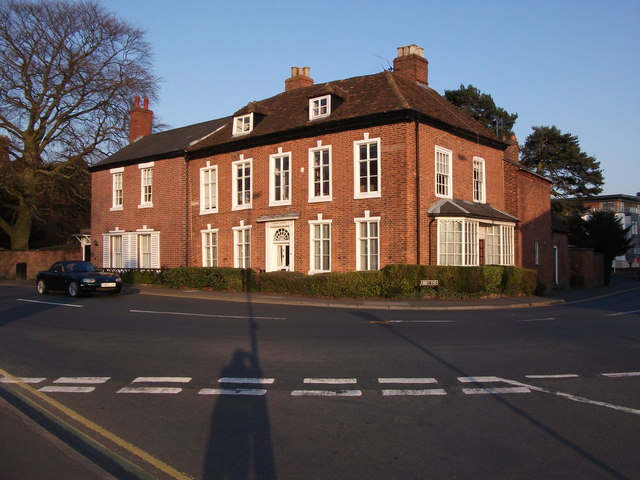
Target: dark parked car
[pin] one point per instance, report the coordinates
(77, 278)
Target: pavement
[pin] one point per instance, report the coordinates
(35, 447)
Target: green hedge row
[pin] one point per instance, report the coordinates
(393, 281)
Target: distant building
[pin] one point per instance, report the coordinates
(627, 209)
(347, 175)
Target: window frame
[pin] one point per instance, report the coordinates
(242, 246)
(358, 161)
(466, 238)
(209, 248)
(247, 193)
(243, 124)
(318, 255)
(285, 177)
(479, 186)
(320, 149)
(145, 257)
(117, 188)
(212, 196)
(115, 255)
(361, 240)
(317, 109)
(146, 185)
(443, 189)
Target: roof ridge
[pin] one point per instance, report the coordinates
(396, 89)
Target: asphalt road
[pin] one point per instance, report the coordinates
(188, 388)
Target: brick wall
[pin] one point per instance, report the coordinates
(35, 260)
(402, 220)
(168, 214)
(588, 265)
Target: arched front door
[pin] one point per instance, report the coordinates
(280, 247)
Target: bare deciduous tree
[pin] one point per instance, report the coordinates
(68, 71)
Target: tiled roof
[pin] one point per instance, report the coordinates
(381, 95)
(161, 145)
(464, 208)
(355, 98)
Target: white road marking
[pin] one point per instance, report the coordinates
(562, 375)
(326, 393)
(623, 313)
(260, 381)
(210, 315)
(90, 380)
(152, 390)
(66, 389)
(331, 381)
(479, 379)
(232, 391)
(420, 321)
(537, 320)
(575, 398)
(494, 390)
(51, 303)
(162, 380)
(621, 374)
(407, 380)
(429, 391)
(22, 380)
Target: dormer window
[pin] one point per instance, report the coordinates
(243, 124)
(319, 107)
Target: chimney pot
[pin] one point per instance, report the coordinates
(299, 78)
(411, 64)
(140, 120)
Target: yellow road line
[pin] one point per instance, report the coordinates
(138, 452)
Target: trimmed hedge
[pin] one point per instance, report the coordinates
(393, 281)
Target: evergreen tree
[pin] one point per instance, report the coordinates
(557, 156)
(482, 107)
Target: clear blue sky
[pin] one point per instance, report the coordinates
(569, 63)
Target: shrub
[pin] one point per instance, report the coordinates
(215, 278)
(393, 281)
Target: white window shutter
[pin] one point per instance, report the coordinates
(155, 250)
(106, 251)
(129, 256)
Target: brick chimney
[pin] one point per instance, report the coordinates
(411, 64)
(140, 120)
(513, 150)
(299, 78)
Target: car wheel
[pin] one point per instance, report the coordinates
(42, 287)
(73, 289)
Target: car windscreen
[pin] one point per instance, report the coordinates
(82, 267)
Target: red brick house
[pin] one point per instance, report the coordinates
(352, 174)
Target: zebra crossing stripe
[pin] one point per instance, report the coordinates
(151, 390)
(21, 380)
(251, 380)
(66, 389)
(162, 380)
(429, 391)
(326, 393)
(232, 391)
(83, 380)
(407, 380)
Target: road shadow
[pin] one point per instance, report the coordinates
(239, 445)
(609, 470)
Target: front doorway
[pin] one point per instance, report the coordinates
(279, 246)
